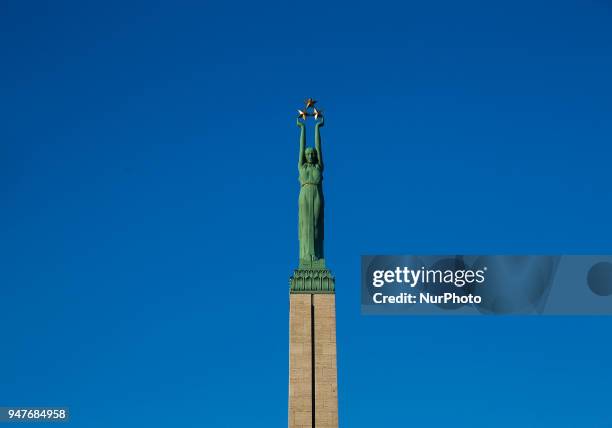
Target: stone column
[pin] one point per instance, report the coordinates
(313, 384)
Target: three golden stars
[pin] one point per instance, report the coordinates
(305, 113)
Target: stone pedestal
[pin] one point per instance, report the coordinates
(313, 384)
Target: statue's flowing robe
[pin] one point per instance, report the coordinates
(310, 212)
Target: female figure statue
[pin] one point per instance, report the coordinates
(310, 202)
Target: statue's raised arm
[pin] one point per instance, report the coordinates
(318, 142)
(302, 157)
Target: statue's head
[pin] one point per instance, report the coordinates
(311, 155)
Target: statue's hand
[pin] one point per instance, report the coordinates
(299, 123)
(321, 122)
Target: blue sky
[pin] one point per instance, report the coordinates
(148, 170)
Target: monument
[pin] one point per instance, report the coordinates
(313, 385)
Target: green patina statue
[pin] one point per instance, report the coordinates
(311, 202)
(311, 276)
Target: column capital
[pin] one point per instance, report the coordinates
(312, 281)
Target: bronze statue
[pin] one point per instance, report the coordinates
(311, 201)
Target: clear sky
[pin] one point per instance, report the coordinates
(148, 171)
